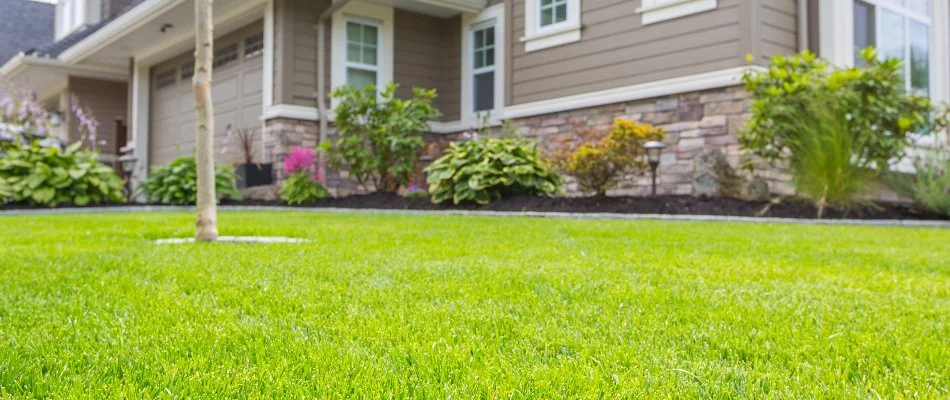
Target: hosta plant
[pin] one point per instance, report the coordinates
(483, 170)
(177, 183)
(48, 176)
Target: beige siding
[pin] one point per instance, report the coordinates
(616, 50)
(295, 47)
(427, 54)
(778, 28)
(106, 100)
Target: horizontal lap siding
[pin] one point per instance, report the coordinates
(106, 100)
(296, 51)
(427, 55)
(778, 28)
(616, 50)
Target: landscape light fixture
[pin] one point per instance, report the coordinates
(654, 150)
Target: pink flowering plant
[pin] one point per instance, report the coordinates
(303, 182)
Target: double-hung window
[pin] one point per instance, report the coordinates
(552, 12)
(898, 29)
(483, 66)
(362, 53)
(550, 23)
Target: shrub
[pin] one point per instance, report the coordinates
(177, 182)
(38, 175)
(302, 183)
(599, 165)
(826, 166)
(880, 112)
(380, 135)
(483, 170)
(929, 187)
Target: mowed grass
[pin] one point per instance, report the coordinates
(470, 307)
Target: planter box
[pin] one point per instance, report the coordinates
(250, 175)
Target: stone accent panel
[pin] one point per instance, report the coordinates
(283, 135)
(693, 122)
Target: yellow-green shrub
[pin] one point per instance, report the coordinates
(598, 164)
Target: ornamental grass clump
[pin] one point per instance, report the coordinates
(303, 182)
(488, 169)
(929, 185)
(599, 164)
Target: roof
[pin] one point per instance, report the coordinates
(54, 48)
(25, 24)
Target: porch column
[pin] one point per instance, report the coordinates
(140, 118)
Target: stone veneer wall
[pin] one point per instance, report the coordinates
(693, 122)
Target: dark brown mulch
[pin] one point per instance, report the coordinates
(687, 205)
(681, 205)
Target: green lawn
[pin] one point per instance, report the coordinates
(437, 307)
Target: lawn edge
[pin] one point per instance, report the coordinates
(486, 213)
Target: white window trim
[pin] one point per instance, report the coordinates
(658, 10)
(836, 24)
(71, 15)
(496, 13)
(358, 65)
(537, 37)
(362, 12)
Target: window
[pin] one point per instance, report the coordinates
(165, 79)
(483, 67)
(662, 10)
(553, 12)
(254, 46)
(899, 29)
(550, 23)
(362, 54)
(225, 56)
(187, 70)
(70, 16)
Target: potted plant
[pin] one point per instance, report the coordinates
(251, 173)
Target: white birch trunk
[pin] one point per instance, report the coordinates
(206, 225)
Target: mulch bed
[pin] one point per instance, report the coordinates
(679, 205)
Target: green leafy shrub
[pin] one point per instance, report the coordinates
(826, 166)
(301, 187)
(177, 183)
(599, 165)
(380, 135)
(483, 170)
(48, 176)
(880, 112)
(929, 186)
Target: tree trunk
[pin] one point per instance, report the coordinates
(206, 229)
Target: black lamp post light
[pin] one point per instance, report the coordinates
(127, 161)
(654, 151)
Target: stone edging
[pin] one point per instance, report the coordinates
(532, 214)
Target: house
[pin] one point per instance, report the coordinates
(548, 66)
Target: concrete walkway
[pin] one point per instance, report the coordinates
(533, 214)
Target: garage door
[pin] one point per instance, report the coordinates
(236, 92)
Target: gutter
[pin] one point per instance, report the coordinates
(321, 95)
(121, 26)
(22, 61)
